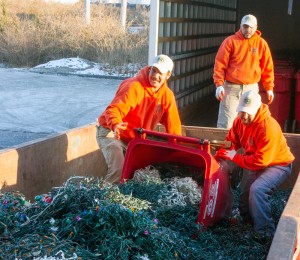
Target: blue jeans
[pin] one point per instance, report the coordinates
(257, 189)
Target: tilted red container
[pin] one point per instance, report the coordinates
(217, 196)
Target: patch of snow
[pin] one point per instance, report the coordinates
(63, 1)
(74, 63)
(136, 29)
(78, 66)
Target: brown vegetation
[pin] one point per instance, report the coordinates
(34, 32)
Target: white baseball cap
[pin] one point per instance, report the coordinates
(163, 63)
(250, 102)
(250, 20)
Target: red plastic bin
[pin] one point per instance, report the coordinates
(296, 123)
(280, 107)
(217, 197)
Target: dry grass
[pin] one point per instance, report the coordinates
(33, 32)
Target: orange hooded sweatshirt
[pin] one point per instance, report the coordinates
(244, 61)
(263, 142)
(136, 103)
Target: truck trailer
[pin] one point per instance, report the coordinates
(190, 32)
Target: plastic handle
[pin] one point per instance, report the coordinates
(142, 133)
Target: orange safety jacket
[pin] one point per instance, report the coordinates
(244, 61)
(262, 140)
(136, 103)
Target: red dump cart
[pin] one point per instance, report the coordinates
(150, 147)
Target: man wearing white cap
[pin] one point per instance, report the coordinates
(140, 102)
(242, 60)
(266, 160)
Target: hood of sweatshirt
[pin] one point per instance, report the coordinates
(262, 113)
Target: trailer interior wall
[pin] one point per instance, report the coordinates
(190, 32)
(280, 29)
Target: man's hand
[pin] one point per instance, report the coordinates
(119, 128)
(270, 94)
(220, 92)
(220, 153)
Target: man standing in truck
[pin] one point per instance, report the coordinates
(266, 160)
(242, 60)
(140, 102)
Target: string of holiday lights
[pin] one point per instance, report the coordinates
(152, 216)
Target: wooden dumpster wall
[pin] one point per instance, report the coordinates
(34, 168)
(286, 242)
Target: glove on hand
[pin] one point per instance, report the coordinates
(225, 154)
(220, 92)
(230, 154)
(270, 94)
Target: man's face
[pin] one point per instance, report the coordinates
(248, 31)
(246, 118)
(156, 78)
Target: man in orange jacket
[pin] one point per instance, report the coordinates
(140, 102)
(266, 159)
(242, 60)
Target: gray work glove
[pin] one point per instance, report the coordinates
(220, 92)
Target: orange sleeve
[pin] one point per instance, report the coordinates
(233, 136)
(124, 100)
(266, 150)
(221, 63)
(171, 119)
(269, 148)
(267, 69)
